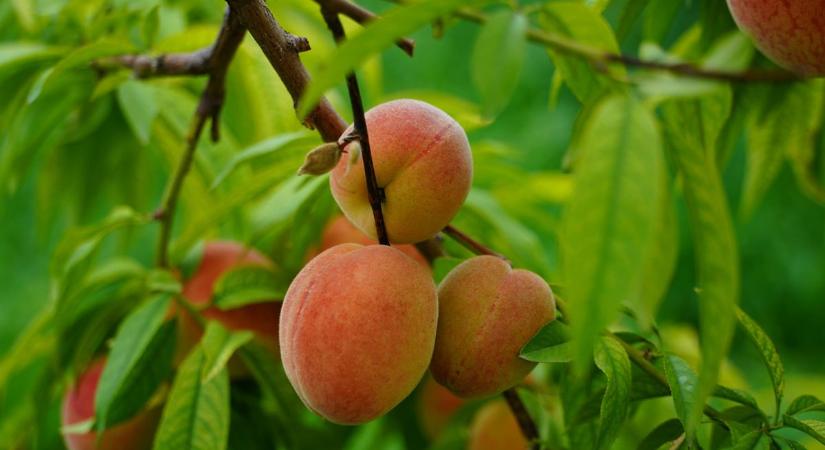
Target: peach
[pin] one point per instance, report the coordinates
(436, 405)
(136, 433)
(218, 258)
(357, 331)
(339, 230)
(487, 313)
(422, 162)
(790, 32)
(495, 427)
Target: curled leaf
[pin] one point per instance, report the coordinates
(321, 159)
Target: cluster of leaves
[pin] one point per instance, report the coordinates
(88, 137)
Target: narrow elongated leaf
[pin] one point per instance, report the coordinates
(813, 428)
(375, 37)
(735, 395)
(768, 353)
(749, 441)
(611, 215)
(693, 126)
(248, 284)
(196, 415)
(140, 359)
(218, 346)
(498, 57)
(665, 432)
(550, 344)
(261, 149)
(137, 101)
(682, 381)
(580, 23)
(630, 13)
(805, 403)
(612, 360)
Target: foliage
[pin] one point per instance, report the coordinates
(642, 196)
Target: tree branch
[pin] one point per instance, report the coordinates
(216, 65)
(469, 243)
(275, 43)
(599, 57)
(525, 422)
(362, 16)
(360, 125)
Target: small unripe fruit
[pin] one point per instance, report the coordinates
(357, 331)
(790, 32)
(495, 428)
(218, 258)
(340, 231)
(422, 162)
(487, 313)
(136, 433)
(435, 407)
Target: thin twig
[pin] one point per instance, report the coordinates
(525, 422)
(209, 108)
(362, 16)
(600, 57)
(469, 243)
(360, 125)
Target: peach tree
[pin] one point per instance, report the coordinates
(421, 281)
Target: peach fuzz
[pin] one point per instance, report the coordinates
(357, 331)
(339, 230)
(487, 313)
(218, 258)
(435, 406)
(495, 428)
(136, 433)
(790, 32)
(422, 161)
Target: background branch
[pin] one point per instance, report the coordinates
(211, 101)
(362, 16)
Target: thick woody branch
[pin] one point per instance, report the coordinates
(362, 16)
(283, 56)
(209, 108)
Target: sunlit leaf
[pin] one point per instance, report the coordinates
(611, 358)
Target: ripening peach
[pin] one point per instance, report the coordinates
(495, 427)
(487, 313)
(218, 258)
(339, 230)
(423, 163)
(136, 433)
(790, 32)
(357, 331)
(436, 405)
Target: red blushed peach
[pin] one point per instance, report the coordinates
(136, 433)
(422, 161)
(339, 230)
(260, 318)
(790, 32)
(495, 427)
(487, 313)
(436, 406)
(357, 331)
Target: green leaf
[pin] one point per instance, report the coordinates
(610, 217)
(581, 24)
(813, 428)
(749, 441)
(218, 346)
(137, 101)
(140, 359)
(693, 127)
(550, 344)
(683, 387)
(735, 395)
(196, 415)
(13, 55)
(444, 265)
(245, 285)
(667, 431)
(630, 13)
(375, 37)
(611, 358)
(261, 149)
(805, 403)
(768, 352)
(497, 59)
